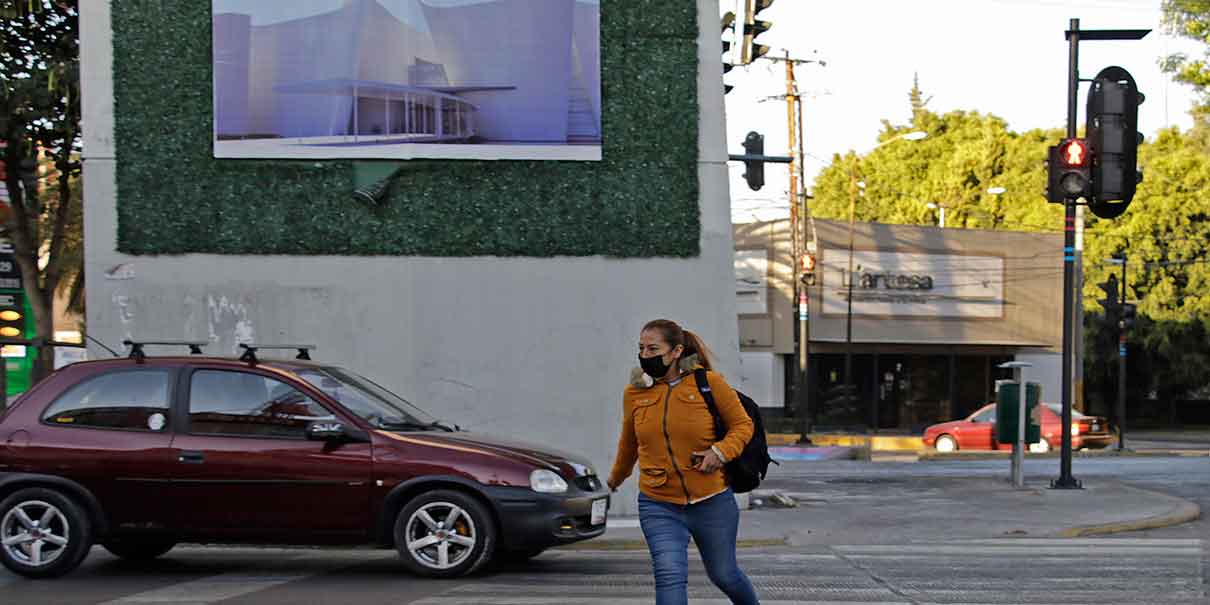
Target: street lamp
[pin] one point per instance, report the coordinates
(914, 135)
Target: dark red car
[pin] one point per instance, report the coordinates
(139, 454)
(978, 431)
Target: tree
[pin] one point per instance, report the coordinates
(1166, 237)
(1166, 232)
(964, 155)
(40, 121)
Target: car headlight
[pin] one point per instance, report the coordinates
(547, 482)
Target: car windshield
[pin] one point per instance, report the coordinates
(1057, 408)
(368, 400)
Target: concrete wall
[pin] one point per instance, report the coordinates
(534, 348)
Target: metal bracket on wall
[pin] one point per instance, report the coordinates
(372, 180)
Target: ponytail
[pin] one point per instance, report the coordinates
(694, 345)
(676, 335)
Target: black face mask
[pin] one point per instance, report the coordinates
(654, 366)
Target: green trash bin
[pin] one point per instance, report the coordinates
(1007, 400)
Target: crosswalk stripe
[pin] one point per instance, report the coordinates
(210, 589)
(942, 549)
(1188, 542)
(462, 600)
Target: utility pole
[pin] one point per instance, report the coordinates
(796, 247)
(799, 219)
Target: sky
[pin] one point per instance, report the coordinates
(1003, 57)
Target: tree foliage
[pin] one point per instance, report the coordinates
(40, 122)
(1165, 233)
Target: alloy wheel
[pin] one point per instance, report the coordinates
(35, 533)
(946, 444)
(440, 535)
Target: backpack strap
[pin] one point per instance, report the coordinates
(703, 387)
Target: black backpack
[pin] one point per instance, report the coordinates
(744, 473)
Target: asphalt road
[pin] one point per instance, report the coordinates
(1152, 567)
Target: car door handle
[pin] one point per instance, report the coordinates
(191, 457)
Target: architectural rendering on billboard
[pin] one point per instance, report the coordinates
(400, 79)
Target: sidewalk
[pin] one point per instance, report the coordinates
(918, 509)
(1168, 441)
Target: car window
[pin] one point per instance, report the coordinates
(246, 404)
(1057, 408)
(129, 399)
(988, 415)
(365, 398)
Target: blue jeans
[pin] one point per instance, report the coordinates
(713, 523)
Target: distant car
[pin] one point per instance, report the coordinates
(978, 431)
(139, 454)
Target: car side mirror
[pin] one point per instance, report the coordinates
(333, 431)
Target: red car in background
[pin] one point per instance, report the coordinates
(978, 431)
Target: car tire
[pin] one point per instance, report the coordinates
(138, 550)
(445, 534)
(1041, 447)
(58, 532)
(946, 444)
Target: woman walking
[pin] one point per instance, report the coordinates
(669, 430)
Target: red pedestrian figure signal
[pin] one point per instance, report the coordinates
(1074, 152)
(1070, 174)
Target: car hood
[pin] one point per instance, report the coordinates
(945, 426)
(569, 465)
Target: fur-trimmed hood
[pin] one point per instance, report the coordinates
(640, 380)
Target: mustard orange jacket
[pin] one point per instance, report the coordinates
(663, 425)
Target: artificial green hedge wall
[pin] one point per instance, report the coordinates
(641, 200)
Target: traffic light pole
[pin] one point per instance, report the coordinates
(1066, 480)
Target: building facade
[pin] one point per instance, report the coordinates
(933, 312)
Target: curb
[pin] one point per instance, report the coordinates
(639, 544)
(1185, 512)
(1106, 453)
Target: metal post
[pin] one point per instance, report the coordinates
(1019, 445)
(3, 383)
(1122, 367)
(848, 323)
(1066, 480)
(1077, 321)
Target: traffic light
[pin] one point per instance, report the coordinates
(752, 26)
(1112, 130)
(1112, 303)
(807, 270)
(754, 170)
(1068, 171)
(728, 44)
(1129, 312)
(12, 316)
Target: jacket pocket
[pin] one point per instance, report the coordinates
(654, 477)
(644, 411)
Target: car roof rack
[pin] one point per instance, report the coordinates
(136, 347)
(250, 350)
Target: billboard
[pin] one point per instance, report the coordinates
(402, 79)
(900, 284)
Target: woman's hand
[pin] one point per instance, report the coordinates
(613, 487)
(709, 461)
